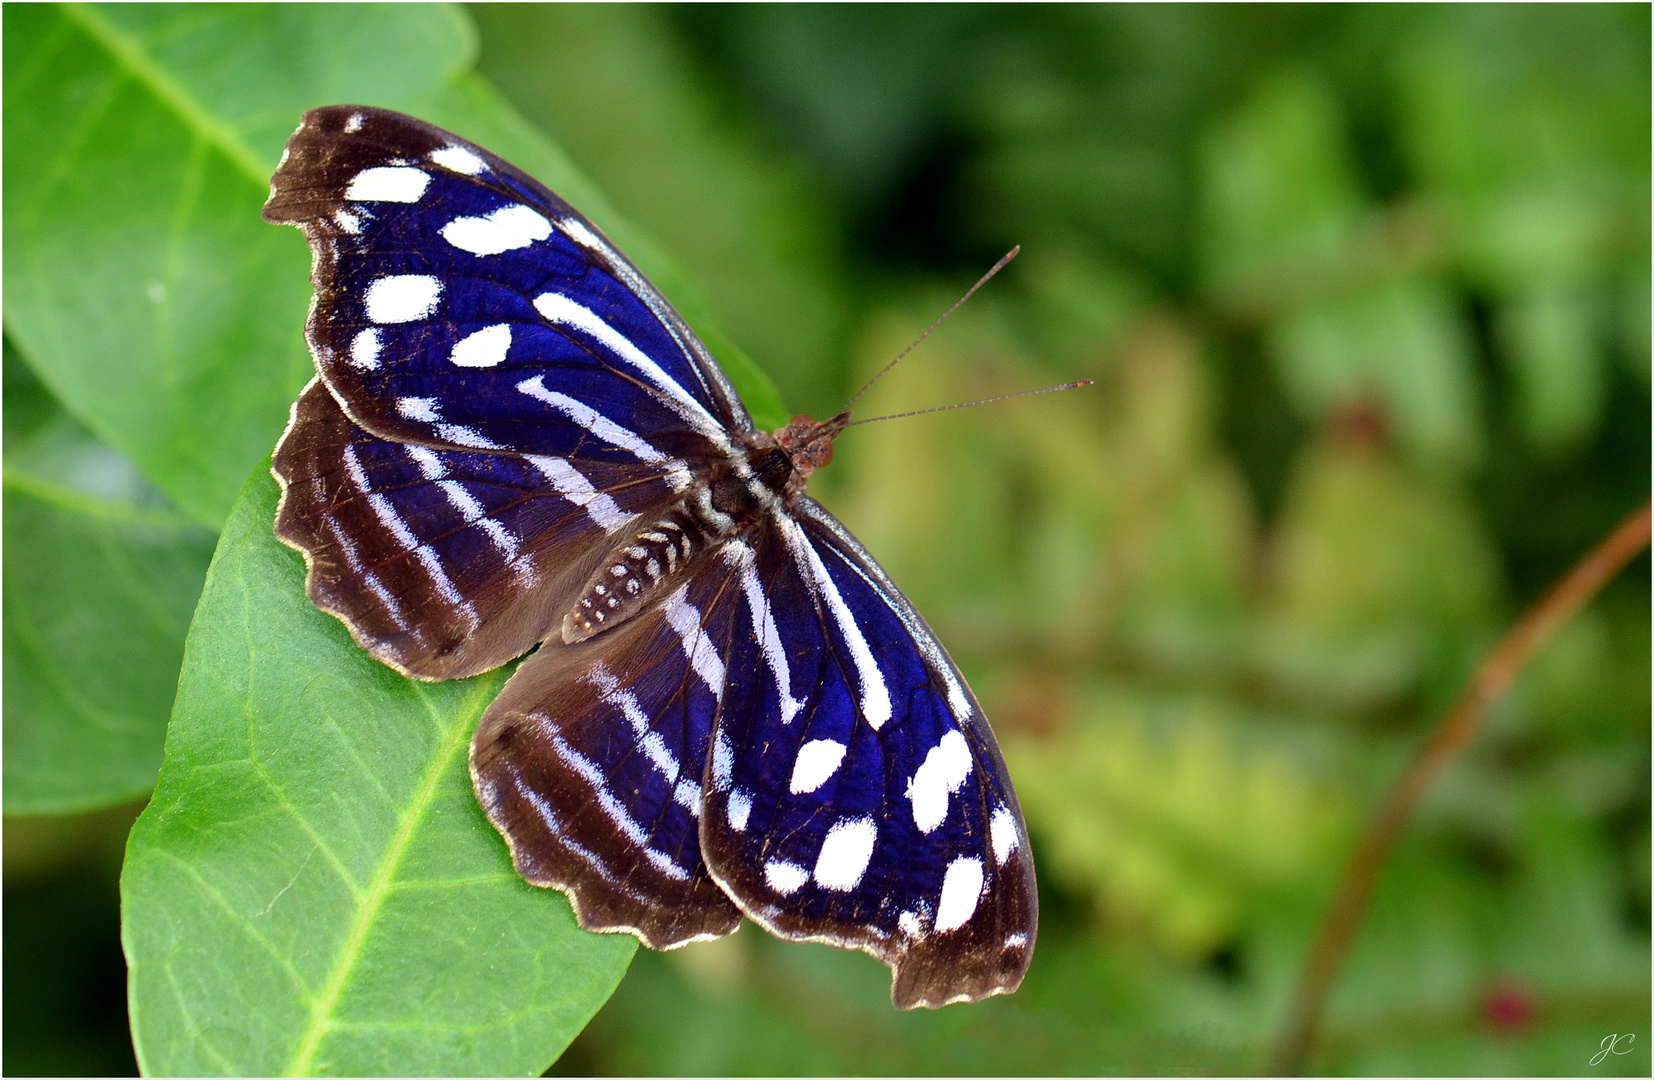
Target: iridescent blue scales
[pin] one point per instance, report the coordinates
(514, 443)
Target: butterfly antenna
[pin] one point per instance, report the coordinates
(1075, 385)
(983, 280)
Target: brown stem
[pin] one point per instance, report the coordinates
(1495, 675)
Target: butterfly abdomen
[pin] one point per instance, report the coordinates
(632, 577)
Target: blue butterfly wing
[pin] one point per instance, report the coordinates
(460, 303)
(855, 793)
(445, 563)
(590, 763)
(503, 399)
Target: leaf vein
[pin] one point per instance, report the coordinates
(239, 919)
(74, 141)
(65, 498)
(130, 55)
(181, 999)
(321, 1014)
(322, 845)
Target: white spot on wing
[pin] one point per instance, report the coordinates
(402, 298)
(430, 465)
(364, 350)
(570, 483)
(654, 747)
(817, 761)
(474, 514)
(785, 877)
(485, 348)
(1003, 829)
(961, 892)
(388, 183)
(613, 807)
(418, 408)
(723, 761)
(958, 701)
(353, 124)
(555, 826)
(458, 159)
(506, 229)
(392, 521)
(845, 853)
(354, 560)
(587, 239)
(464, 436)
(942, 773)
(739, 809)
(705, 367)
(911, 923)
(347, 221)
(764, 629)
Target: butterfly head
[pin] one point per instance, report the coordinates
(809, 443)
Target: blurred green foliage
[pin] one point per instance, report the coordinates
(1365, 293)
(1365, 290)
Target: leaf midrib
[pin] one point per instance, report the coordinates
(321, 1014)
(131, 55)
(95, 507)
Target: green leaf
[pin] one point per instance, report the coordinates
(313, 888)
(1387, 584)
(141, 281)
(101, 574)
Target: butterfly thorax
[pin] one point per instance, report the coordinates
(728, 499)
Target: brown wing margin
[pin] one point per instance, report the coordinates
(384, 591)
(566, 778)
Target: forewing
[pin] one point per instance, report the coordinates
(445, 563)
(855, 793)
(590, 764)
(460, 303)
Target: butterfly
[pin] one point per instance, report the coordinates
(514, 443)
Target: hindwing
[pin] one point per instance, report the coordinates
(445, 563)
(855, 794)
(591, 762)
